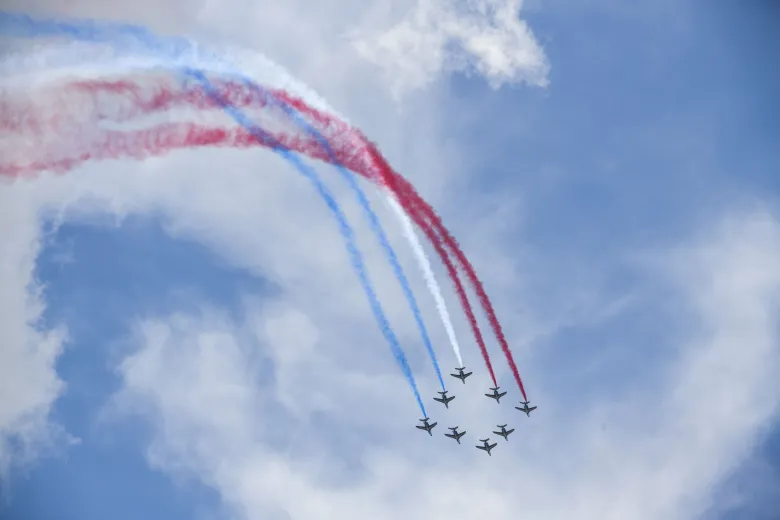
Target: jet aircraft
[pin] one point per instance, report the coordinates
(495, 395)
(504, 432)
(460, 375)
(525, 408)
(455, 435)
(487, 447)
(427, 427)
(444, 399)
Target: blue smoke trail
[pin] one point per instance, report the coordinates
(21, 25)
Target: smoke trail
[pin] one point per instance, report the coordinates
(344, 227)
(347, 233)
(162, 98)
(359, 145)
(401, 185)
(355, 144)
(141, 144)
(181, 50)
(23, 25)
(375, 224)
(167, 137)
(427, 271)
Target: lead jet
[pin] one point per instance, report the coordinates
(504, 432)
(495, 395)
(460, 375)
(444, 399)
(487, 447)
(455, 435)
(525, 408)
(427, 427)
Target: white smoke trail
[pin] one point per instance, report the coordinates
(427, 271)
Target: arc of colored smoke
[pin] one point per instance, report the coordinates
(167, 137)
(132, 37)
(406, 191)
(375, 224)
(430, 278)
(365, 157)
(181, 50)
(124, 113)
(344, 227)
(352, 150)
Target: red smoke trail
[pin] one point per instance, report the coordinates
(351, 148)
(417, 215)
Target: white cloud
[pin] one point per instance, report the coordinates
(215, 418)
(440, 36)
(28, 352)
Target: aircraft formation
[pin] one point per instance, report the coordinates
(455, 434)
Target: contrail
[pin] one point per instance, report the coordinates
(427, 271)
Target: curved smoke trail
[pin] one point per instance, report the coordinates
(373, 219)
(167, 137)
(344, 228)
(362, 156)
(430, 279)
(179, 52)
(422, 213)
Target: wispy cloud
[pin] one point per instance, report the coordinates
(28, 381)
(435, 36)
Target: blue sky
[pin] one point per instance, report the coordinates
(99, 275)
(621, 207)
